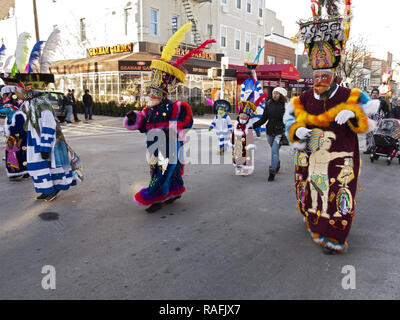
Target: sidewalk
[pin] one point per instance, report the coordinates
(200, 122)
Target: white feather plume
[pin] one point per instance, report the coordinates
(49, 51)
(9, 64)
(22, 51)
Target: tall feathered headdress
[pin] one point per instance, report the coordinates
(325, 37)
(2, 58)
(22, 51)
(166, 73)
(49, 51)
(34, 59)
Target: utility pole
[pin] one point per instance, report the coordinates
(36, 21)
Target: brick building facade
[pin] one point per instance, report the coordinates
(279, 50)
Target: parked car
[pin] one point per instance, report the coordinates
(57, 100)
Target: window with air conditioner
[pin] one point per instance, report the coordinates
(286, 61)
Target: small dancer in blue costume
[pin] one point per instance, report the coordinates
(252, 89)
(164, 122)
(222, 123)
(14, 132)
(50, 176)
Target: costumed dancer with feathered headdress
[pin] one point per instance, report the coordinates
(252, 89)
(322, 125)
(243, 145)
(222, 122)
(167, 118)
(16, 137)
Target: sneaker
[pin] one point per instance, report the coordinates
(328, 251)
(26, 176)
(42, 196)
(272, 175)
(52, 196)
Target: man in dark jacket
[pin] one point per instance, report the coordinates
(88, 103)
(74, 106)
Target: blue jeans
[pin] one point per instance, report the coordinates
(88, 113)
(69, 114)
(275, 147)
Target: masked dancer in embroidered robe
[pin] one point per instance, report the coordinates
(164, 122)
(48, 176)
(322, 125)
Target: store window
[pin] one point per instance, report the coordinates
(154, 22)
(237, 39)
(247, 39)
(270, 60)
(223, 36)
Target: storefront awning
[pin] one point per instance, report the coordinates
(128, 62)
(102, 63)
(269, 72)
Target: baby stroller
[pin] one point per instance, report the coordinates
(386, 140)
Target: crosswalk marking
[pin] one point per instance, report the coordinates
(84, 130)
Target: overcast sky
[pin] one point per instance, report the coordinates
(376, 20)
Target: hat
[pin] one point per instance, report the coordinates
(222, 104)
(282, 91)
(325, 37)
(166, 74)
(249, 107)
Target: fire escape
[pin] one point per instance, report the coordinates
(190, 16)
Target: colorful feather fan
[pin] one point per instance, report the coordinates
(209, 101)
(34, 60)
(49, 51)
(261, 99)
(198, 50)
(2, 58)
(174, 41)
(22, 51)
(257, 59)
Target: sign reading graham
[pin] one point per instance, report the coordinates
(120, 48)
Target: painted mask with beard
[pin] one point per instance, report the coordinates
(323, 81)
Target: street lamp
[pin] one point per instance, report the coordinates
(35, 16)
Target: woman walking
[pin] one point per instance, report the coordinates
(273, 113)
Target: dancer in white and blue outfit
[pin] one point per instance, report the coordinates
(49, 175)
(222, 123)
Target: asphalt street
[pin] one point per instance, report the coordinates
(229, 237)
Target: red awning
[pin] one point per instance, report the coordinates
(268, 72)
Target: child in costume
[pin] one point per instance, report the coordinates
(222, 123)
(322, 125)
(242, 141)
(167, 118)
(14, 131)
